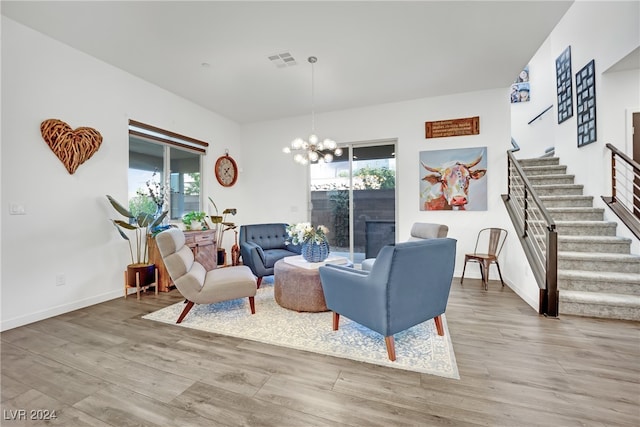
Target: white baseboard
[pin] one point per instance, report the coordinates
(56, 311)
(525, 294)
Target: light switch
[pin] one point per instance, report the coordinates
(17, 209)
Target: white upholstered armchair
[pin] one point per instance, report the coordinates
(197, 285)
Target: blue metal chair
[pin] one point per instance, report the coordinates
(408, 284)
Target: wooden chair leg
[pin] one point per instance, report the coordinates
(391, 347)
(439, 326)
(185, 311)
(125, 285)
(259, 282)
(336, 321)
(252, 304)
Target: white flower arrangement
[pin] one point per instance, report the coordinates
(304, 232)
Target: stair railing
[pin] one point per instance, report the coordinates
(625, 189)
(537, 232)
(541, 114)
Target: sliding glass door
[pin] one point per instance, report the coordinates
(355, 197)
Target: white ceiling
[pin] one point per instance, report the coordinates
(369, 52)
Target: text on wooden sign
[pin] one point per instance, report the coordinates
(453, 127)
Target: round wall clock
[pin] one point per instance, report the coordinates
(226, 171)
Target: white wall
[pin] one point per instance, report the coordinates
(606, 32)
(66, 229)
(279, 186)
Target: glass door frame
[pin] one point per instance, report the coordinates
(349, 148)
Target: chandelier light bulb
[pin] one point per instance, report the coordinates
(329, 144)
(338, 152)
(313, 138)
(286, 150)
(328, 158)
(313, 156)
(297, 143)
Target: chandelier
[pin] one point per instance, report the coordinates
(312, 149)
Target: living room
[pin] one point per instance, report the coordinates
(65, 223)
(500, 341)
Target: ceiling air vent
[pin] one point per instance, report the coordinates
(282, 60)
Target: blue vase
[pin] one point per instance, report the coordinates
(315, 252)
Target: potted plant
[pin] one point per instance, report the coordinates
(194, 220)
(222, 226)
(142, 225)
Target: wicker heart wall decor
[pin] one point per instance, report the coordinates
(72, 147)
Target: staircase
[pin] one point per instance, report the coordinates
(597, 274)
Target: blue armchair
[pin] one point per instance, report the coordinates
(261, 245)
(408, 284)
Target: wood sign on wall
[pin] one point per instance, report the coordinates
(453, 127)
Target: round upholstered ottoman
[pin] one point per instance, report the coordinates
(298, 288)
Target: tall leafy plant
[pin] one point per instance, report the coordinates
(141, 224)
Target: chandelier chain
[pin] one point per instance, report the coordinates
(312, 60)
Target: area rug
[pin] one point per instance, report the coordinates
(418, 349)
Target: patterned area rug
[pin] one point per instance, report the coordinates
(418, 349)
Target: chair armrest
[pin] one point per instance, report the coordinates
(251, 248)
(347, 285)
(347, 269)
(253, 257)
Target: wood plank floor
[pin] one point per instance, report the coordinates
(105, 366)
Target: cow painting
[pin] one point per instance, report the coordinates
(447, 184)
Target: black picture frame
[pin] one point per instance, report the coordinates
(586, 104)
(564, 85)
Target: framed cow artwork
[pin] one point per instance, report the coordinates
(453, 179)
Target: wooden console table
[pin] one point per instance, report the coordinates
(203, 245)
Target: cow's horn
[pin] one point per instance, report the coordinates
(432, 169)
(475, 162)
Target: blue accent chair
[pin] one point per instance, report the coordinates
(262, 245)
(408, 284)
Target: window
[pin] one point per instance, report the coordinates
(164, 169)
